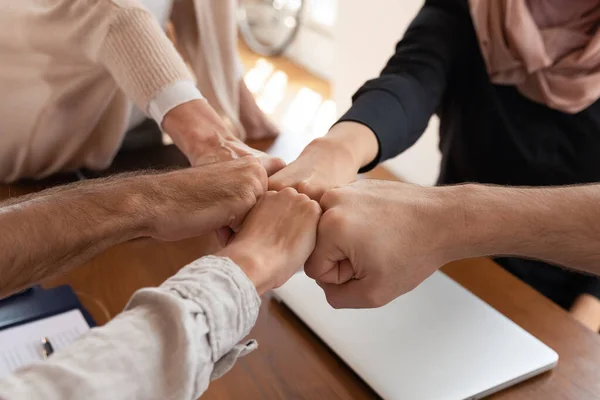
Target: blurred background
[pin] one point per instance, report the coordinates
(305, 59)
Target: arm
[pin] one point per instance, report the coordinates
(146, 66)
(159, 347)
(391, 112)
(558, 225)
(396, 106)
(425, 228)
(172, 340)
(48, 233)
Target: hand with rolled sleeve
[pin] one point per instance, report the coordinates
(172, 340)
(276, 238)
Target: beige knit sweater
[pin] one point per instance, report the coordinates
(68, 68)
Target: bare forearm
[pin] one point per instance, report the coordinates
(559, 225)
(50, 232)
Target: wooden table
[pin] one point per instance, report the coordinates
(292, 363)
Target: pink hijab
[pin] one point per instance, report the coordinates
(548, 49)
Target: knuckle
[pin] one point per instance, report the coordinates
(253, 186)
(302, 198)
(314, 207)
(248, 195)
(254, 167)
(258, 185)
(310, 189)
(289, 192)
(276, 184)
(304, 187)
(331, 198)
(250, 160)
(335, 220)
(269, 195)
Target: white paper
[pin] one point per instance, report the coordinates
(22, 345)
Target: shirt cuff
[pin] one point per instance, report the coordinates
(225, 294)
(381, 112)
(170, 97)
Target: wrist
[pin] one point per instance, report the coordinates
(250, 263)
(115, 207)
(334, 149)
(195, 127)
(355, 139)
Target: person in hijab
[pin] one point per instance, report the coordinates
(515, 84)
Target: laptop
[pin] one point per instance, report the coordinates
(437, 342)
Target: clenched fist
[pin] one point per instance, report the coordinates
(197, 201)
(378, 240)
(276, 238)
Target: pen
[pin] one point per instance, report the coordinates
(47, 348)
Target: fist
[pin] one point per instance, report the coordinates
(376, 241)
(276, 238)
(197, 201)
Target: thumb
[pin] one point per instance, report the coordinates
(340, 273)
(328, 263)
(346, 295)
(272, 164)
(224, 235)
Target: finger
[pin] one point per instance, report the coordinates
(341, 273)
(275, 183)
(346, 295)
(224, 235)
(331, 198)
(272, 164)
(325, 257)
(311, 190)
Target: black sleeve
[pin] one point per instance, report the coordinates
(398, 105)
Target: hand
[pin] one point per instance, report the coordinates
(330, 161)
(378, 240)
(276, 238)
(196, 201)
(203, 137)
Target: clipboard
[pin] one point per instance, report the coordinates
(35, 321)
(37, 303)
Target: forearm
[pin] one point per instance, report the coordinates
(397, 105)
(49, 232)
(146, 65)
(168, 343)
(558, 225)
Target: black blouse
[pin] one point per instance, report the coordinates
(488, 133)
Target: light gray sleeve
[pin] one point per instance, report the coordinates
(167, 344)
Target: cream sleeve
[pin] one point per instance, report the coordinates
(168, 343)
